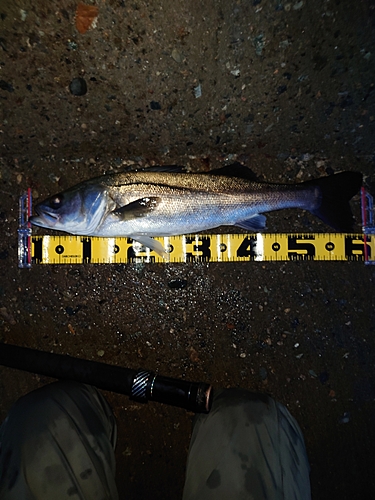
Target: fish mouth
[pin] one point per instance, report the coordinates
(44, 218)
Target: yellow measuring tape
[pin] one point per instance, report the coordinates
(205, 248)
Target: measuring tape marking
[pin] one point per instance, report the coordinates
(261, 247)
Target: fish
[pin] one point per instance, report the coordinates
(162, 202)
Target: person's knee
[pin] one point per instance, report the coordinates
(242, 405)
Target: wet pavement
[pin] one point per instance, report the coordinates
(286, 88)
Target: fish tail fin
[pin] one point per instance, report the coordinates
(335, 192)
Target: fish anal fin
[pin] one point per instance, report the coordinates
(137, 208)
(256, 223)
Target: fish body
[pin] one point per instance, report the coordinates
(150, 203)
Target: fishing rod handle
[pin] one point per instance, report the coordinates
(193, 396)
(140, 385)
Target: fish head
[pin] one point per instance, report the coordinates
(78, 210)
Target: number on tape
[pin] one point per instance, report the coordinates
(204, 248)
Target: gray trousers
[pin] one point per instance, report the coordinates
(58, 443)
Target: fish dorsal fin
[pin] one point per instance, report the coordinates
(137, 208)
(235, 170)
(173, 169)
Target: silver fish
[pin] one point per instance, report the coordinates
(150, 203)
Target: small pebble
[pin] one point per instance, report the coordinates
(3, 44)
(74, 272)
(72, 45)
(177, 284)
(281, 89)
(78, 86)
(345, 418)
(198, 91)
(177, 56)
(7, 316)
(71, 329)
(127, 452)
(298, 5)
(155, 105)
(100, 353)
(6, 86)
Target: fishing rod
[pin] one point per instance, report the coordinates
(140, 385)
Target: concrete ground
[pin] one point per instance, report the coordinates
(286, 88)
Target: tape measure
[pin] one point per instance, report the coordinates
(201, 248)
(249, 247)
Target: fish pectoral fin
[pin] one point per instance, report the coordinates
(149, 242)
(255, 223)
(137, 208)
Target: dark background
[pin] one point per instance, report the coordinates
(287, 88)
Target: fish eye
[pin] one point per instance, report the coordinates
(56, 201)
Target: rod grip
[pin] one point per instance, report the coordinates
(193, 396)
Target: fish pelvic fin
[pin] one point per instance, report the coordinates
(335, 192)
(137, 208)
(256, 223)
(154, 245)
